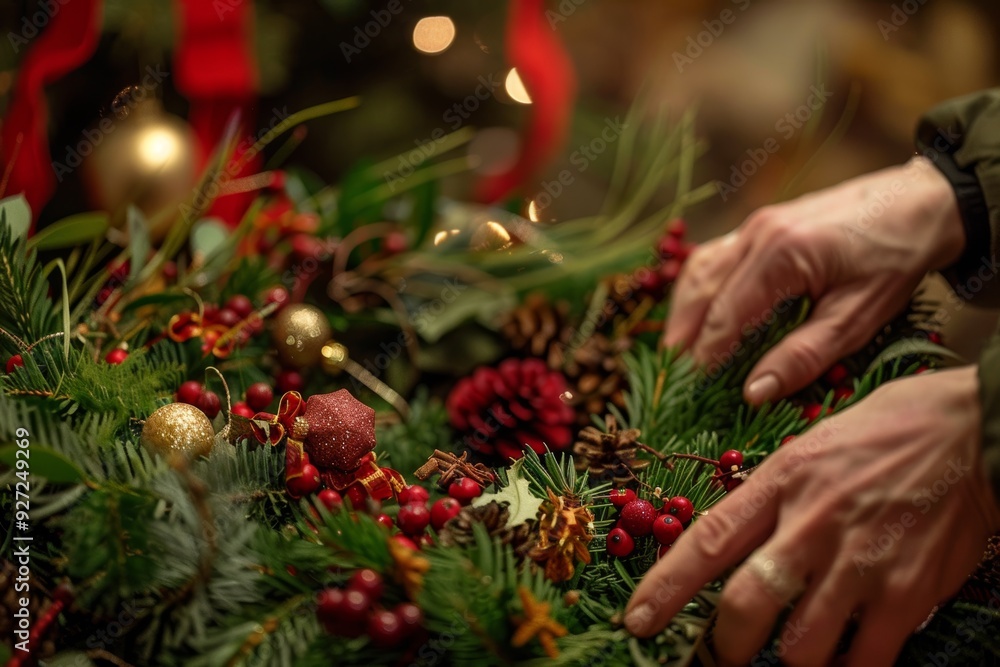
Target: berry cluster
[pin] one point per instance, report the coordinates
(639, 518)
(416, 512)
(222, 328)
(257, 398)
(673, 252)
(354, 611)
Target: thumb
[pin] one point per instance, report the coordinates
(832, 332)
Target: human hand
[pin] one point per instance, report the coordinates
(858, 250)
(882, 510)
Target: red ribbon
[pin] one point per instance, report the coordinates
(67, 42)
(547, 73)
(216, 71)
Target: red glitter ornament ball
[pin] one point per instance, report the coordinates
(519, 403)
(341, 430)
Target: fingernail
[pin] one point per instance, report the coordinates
(637, 620)
(763, 389)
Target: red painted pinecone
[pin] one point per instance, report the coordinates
(518, 403)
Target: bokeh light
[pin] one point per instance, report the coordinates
(515, 87)
(433, 34)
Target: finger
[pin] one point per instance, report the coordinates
(750, 606)
(882, 632)
(752, 297)
(702, 276)
(836, 328)
(716, 541)
(812, 632)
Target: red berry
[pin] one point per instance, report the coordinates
(464, 490)
(17, 361)
(731, 460)
(240, 305)
(287, 381)
(814, 411)
(787, 439)
(228, 317)
(444, 510)
(413, 519)
(357, 495)
(413, 494)
(210, 404)
(842, 394)
(385, 520)
(405, 541)
(921, 369)
(277, 295)
(677, 228)
(662, 551)
(385, 629)
(837, 375)
(394, 243)
(243, 410)
(116, 356)
(209, 313)
(935, 337)
(330, 499)
(354, 615)
(259, 395)
(306, 484)
(411, 616)
(169, 271)
(637, 518)
(622, 497)
(190, 392)
(368, 582)
(681, 508)
(666, 529)
(330, 604)
(425, 540)
(620, 543)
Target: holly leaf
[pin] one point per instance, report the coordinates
(522, 505)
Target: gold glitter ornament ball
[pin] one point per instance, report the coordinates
(178, 430)
(300, 332)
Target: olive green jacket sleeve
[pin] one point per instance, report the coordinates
(962, 138)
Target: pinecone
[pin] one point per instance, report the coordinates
(609, 455)
(518, 403)
(493, 516)
(39, 601)
(534, 325)
(596, 373)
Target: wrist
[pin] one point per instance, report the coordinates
(937, 213)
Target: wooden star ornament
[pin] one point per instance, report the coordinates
(537, 622)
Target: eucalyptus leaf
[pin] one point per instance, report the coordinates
(910, 346)
(138, 241)
(16, 214)
(44, 462)
(208, 236)
(72, 231)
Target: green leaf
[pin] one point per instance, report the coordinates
(138, 242)
(44, 462)
(72, 231)
(911, 346)
(16, 214)
(208, 235)
(523, 506)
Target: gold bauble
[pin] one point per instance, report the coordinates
(178, 430)
(147, 158)
(300, 332)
